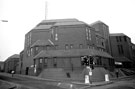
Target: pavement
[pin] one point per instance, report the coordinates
(62, 84)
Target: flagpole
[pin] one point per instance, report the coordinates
(45, 10)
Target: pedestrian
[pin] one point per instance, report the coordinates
(117, 73)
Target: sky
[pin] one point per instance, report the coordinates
(23, 15)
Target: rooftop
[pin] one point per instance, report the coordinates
(15, 56)
(47, 24)
(41, 43)
(71, 53)
(40, 27)
(60, 20)
(117, 34)
(97, 22)
(53, 21)
(70, 23)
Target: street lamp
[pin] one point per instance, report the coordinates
(4, 20)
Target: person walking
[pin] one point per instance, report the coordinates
(117, 72)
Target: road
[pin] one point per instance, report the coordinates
(125, 83)
(29, 83)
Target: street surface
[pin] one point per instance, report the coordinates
(18, 82)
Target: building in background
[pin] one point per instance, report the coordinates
(121, 49)
(62, 43)
(133, 52)
(21, 61)
(12, 63)
(103, 30)
(1, 66)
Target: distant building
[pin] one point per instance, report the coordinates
(21, 61)
(121, 48)
(1, 66)
(133, 52)
(61, 44)
(103, 30)
(12, 63)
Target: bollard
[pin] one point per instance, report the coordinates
(106, 77)
(87, 79)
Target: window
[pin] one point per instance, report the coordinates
(71, 46)
(45, 60)
(36, 48)
(120, 38)
(52, 32)
(88, 46)
(31, 51)
(89, 35)
(97, 39)
(47, 47)
(56, 46)
(99, 62)
(125, 38)
(56, 36)
(117, 38)
(66, 46)
(28, 52)
(111, 62)
(122, 52)
(40, 60)
(80, 46)
(30, 38)
(120, 49)
(55, 62)
(102, 43)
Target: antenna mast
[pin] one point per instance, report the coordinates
(46, 10)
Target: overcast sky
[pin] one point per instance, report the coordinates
(23, 15)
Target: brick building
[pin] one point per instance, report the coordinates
(12, 63)
(121, 48)
(133, 52)
(1, 66)
(103, 30)
(61, 44)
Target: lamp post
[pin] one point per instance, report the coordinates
(4, 20)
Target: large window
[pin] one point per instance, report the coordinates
(120, 49)
(118, 38)
(89, 34)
